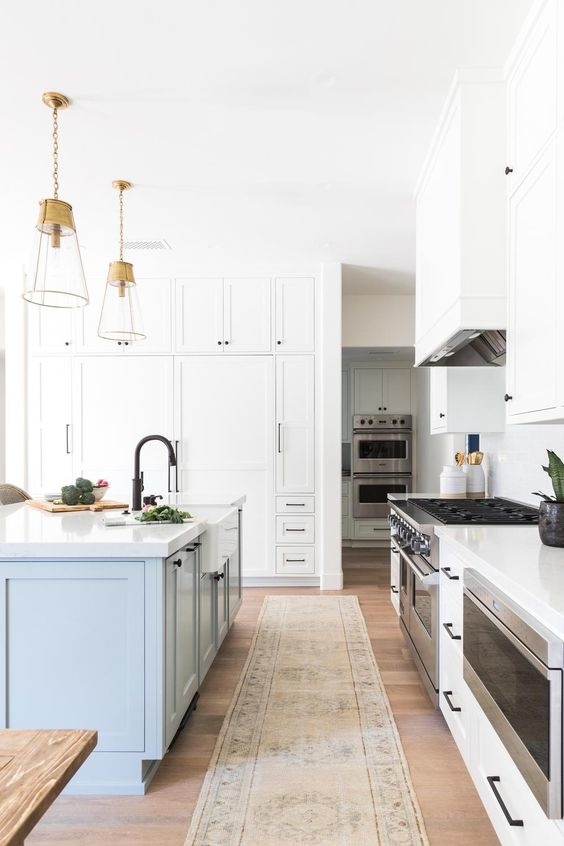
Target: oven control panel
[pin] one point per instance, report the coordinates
(407, 537)
(378, 421)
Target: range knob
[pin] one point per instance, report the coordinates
(402, 422)
(416, 543)
(394, 422)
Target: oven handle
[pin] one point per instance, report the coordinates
(518, 644)
(429, 579)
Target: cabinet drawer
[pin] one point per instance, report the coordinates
(455, 705)
(371, 530)
(295, 560)
(291, 529)
(493, 761)
(295, 504)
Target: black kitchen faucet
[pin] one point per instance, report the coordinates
(137, 480)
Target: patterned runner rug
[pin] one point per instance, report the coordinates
(309, 752)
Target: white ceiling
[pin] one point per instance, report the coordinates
(258, 130)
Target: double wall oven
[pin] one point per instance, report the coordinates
(381, 461)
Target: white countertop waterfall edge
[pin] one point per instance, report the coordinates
(514, 559)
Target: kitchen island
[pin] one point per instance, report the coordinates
(113, 629)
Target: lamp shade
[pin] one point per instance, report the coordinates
(57, 273)
(120, 318)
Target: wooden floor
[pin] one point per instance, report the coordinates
(453, 813)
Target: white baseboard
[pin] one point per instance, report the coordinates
(278, 581)
(332, 581)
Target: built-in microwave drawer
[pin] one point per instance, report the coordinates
(295, 529)
(295, 504)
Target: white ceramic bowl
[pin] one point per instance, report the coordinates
(99, 491)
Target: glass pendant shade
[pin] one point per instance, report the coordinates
(56, 275)
(120, 319)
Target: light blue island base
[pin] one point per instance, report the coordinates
(119, 643)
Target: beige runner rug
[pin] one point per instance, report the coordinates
(309, 752)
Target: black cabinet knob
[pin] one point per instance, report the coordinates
(119, 343)
(441, 414)
(507, 397)
(226, 343)
(126, 343)
(219, 343)
(178, 562)
(67, 343)
(219, 576)
(508, 170)
(278, 342)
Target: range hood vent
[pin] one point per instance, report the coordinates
(470, 348)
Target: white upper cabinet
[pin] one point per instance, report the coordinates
(50, 444)
(461, 248)
(295, 456)
(223, 315)
(50, 330)
(532, 91)
(118, 400)
(246, 315)
(382, 390)
(295, 315)
(533, 337)
(467, 399)
(156, 313)
(199, 315)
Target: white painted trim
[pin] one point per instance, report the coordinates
(332, 581)
(278, 581)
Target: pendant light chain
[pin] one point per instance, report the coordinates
(55, 154)
(121, 224)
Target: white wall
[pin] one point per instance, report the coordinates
(383, 320)
(514, 458)
(431, 451)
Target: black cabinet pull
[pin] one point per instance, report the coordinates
(295, 504)
(279, 437)
(219, 576)
(394, 549)
(446, 571)
(67, 430)
(441, 414)
(507, 397)
(508, 170)
(492, 781)
(176, 443)
(295, 560)
(194, 547)
(178, 562)
(447, 694)
(295, 530)
(448, 627)
(394, 589)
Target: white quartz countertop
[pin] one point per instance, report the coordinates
(195, 498)
(27, 532)
(514, 559)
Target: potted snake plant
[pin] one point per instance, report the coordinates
(551, 511)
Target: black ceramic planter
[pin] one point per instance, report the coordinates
(551, 523)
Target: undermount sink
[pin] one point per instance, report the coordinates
(221, 539)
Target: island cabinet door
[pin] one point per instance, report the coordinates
(207, 623)
(221, 579)
(72, 648)
(181, 638)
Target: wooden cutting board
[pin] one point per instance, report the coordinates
(103, 505)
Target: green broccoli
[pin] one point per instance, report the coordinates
(84, 485)
(70, 495)
(87, 498)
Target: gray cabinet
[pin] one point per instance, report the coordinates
(221, 579)
(234, 576)
(207, 623)
(181, 636)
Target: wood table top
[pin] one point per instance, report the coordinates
(35, 765)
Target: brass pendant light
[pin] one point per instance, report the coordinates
(120, 318)
(58, 274)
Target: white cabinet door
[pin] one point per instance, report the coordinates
(181, 637)
(222, 605)
(50, 459)
(396, 390)
(199, 315)
(50, 330)
(438, 399)
(234, 575)
(532, 94)
(532, 292)
(295, 315)
(295, 458)
(246, 315)
(156, 314)
(367, 390)
(118, 401)
(346, 408)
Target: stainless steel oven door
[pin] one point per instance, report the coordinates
(422, 623)
(382, 452)
(519, 694)
(370, 494)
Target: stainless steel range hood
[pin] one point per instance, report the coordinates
(470, 348)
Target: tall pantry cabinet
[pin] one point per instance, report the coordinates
(227, 373)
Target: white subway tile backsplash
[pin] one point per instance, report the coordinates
(513, 460)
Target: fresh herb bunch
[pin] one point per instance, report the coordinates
(555, 470)
(162, 514)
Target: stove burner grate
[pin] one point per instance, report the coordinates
(492, 511)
